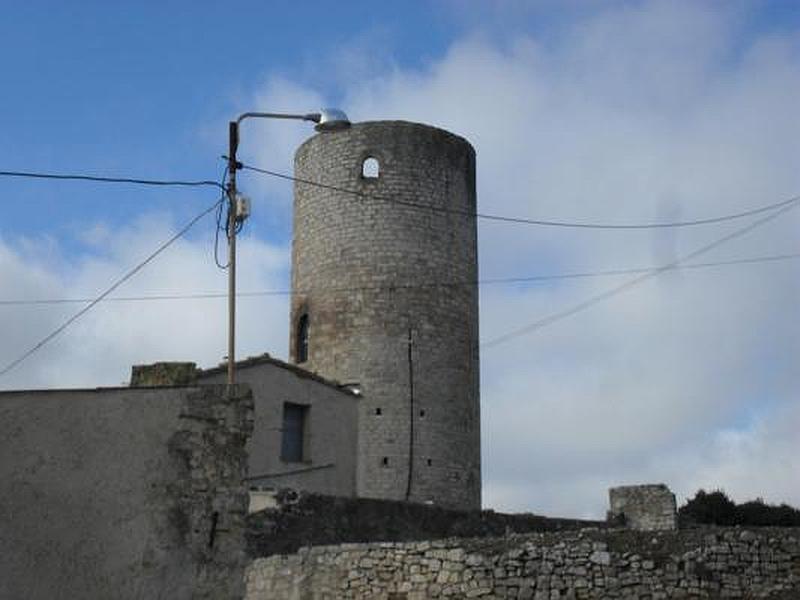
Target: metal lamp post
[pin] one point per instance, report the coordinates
(327, 119)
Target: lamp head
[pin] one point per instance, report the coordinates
(329, 119)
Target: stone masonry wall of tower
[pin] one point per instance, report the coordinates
(367, 270)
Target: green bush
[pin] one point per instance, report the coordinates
(715, 508)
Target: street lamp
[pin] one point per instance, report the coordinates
(327, 119)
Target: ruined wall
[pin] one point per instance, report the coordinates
(123, 493)
(313, 520)
(587, 564)
(359, 268)
(329, 466)
(170, 373)
(644, 507)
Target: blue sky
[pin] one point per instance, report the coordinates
(110, 88)
(612, 111)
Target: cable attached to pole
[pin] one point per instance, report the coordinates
(109, 290)
(104, 179)
(581, 306)
(523, 220)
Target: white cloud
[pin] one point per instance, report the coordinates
(100, 348)
(760, 460)
(660, 111)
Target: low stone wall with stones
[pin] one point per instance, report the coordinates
(716, 563)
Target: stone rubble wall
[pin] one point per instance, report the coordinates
(164, 374)
(643, 507)
(719, 563)
(209, 500)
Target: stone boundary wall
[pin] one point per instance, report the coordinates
(590, 564)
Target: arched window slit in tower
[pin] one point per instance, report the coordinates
(385, 461)
(370, 168)
(301, 349)
(378, 411)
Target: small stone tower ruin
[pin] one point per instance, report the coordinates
(386, 296)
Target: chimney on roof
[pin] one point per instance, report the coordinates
(164, 374)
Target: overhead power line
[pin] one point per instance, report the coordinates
(589, 302)
(523, 220)
(441, 284)
(110, 289)
(103, 179)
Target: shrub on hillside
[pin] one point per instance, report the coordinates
(715, 508)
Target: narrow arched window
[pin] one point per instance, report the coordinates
(301, 343)
(370, 168)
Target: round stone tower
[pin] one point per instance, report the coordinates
(384, 266)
